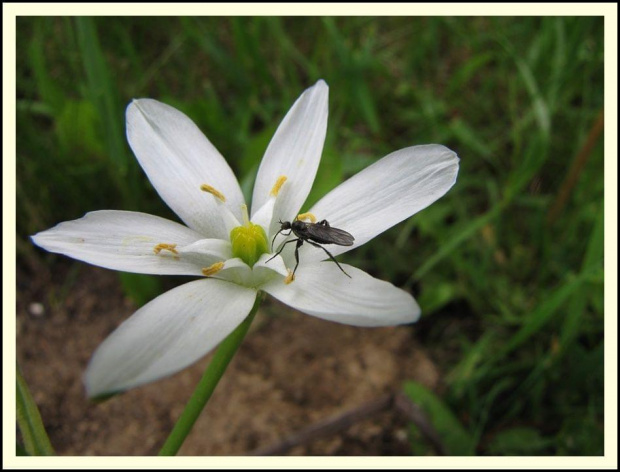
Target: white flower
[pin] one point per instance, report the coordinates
(230, 253)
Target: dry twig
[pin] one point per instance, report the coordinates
(398, 402)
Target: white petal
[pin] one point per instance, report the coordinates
(238, 272)
(295, 152)
(385, 193)
(228, 219)
(167, 334)
(206, 252)
(208, 247)
(264, 215)
(178, 159)
(235, 271)
(321, 289)
(267, 270)
(122, 240)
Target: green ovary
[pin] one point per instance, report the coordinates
(249, 242)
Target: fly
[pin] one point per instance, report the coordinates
(314, 234)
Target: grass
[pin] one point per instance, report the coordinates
(512, 299)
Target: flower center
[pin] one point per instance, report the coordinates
(249, 241)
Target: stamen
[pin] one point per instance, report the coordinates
(213, 191)
(290, 277)
(165, 247)
(246, 217)
(212, 269)
(278, 185)
(307, 216)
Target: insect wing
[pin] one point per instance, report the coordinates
(328, 235)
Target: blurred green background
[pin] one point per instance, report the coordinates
(508, 266)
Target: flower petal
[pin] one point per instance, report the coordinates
(178, 159)
(264, 216)
(235, 271)
(322, 290)
(385, 193)
(266, 270)
(206, 252)
(123, 240)
(167, 334)
(238, 272)
(295, 152)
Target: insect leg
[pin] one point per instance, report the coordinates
(299, 243)
(330, 256)
(324, 223)
(282, 248)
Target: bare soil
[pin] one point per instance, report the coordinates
(292, 370)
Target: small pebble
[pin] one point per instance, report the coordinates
(401, 435)
(36, 309)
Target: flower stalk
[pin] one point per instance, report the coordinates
(208, 382)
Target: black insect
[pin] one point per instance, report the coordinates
(314, 234)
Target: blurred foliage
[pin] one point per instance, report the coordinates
(512, 300)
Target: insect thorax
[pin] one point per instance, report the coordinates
(298, 225)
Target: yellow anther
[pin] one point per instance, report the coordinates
(212, 269)
(278, 185)
(165, 247)
(307, 216)
(290, 277)
(213, 191)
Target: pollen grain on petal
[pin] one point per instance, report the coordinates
(212, 269)
(278, 186)
(165, 247)
(290, 277)
(307, 216)
(213, 191)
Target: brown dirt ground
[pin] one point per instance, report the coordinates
(291, 371)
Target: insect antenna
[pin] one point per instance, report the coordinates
(274, 239)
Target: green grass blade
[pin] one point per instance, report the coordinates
(447, 247)
(102, 92)
(29, 421)
(49, 92)
(543, 314)
(454, 437)
(518, 441)
(541, 109)
(592, 258)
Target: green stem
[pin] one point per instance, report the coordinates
(29, 420)
(207, 383)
